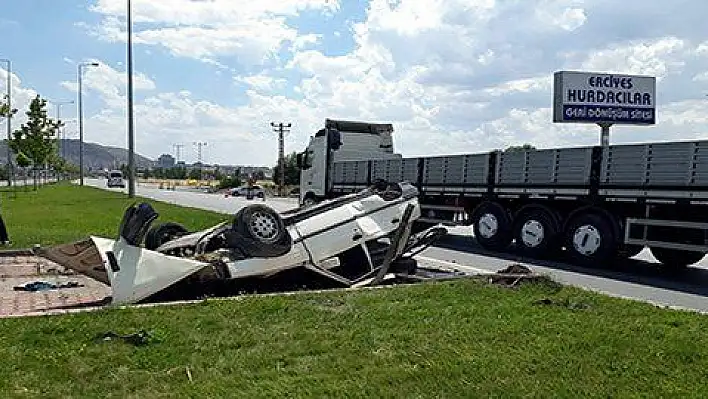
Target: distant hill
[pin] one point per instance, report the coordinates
(96, 156)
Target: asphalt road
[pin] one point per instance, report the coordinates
(189, 198)
(640, 278)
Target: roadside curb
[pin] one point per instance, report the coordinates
(16, 252)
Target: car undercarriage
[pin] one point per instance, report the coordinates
(358, 240)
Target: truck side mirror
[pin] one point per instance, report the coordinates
(335, 139)
(299, 161)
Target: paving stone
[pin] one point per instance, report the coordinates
(20, 270)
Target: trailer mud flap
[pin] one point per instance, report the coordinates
(133, 273)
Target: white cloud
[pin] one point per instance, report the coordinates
(262, 82)
(20, 100)
(109, 83)
(207, 30)
(452, 75)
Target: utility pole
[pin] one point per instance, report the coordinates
(60, 131)
(281, 129)
(199, 145)
(178, 148)
(131, 125)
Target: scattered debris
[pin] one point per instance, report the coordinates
(511, 275)
(140, 338)
(46, 286)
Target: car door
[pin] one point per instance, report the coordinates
(335, 230)
(331, 232)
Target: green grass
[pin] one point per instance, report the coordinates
(451, 339)
(61, 213)
(431, 340)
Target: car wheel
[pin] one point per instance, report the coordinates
(262, 232)
(163, 233)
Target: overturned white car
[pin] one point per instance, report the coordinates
(354, 240)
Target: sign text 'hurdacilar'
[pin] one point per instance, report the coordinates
(588, 97)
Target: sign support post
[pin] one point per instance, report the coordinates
(605, 134)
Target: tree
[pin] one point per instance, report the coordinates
(292, 172)
(5, 109)
(36, 138)
(6, 112)
(195, 174)
(234, 180)
(23, 161)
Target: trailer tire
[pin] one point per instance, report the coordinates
(590, 240)
(492, 226)
(163, 233)
(675, 258)
(536, 232)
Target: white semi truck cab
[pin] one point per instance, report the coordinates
(340, 141)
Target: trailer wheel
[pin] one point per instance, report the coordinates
(492, 226)
(536, 233)
(590, 240)
(675, 258)
(163, 233)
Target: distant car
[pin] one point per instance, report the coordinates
(115, 179)
(243, 191)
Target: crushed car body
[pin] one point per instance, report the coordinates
(354, 240)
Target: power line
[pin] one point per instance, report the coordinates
(178, 149)
(281, 129)
(199, 145)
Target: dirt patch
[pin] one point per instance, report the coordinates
(515, 274)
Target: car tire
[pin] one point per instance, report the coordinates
(262, 232)
(163, 233)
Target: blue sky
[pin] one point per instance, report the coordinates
(452, 75)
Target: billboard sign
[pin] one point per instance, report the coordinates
(588, 97)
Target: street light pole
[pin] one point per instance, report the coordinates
(10, 171)
(60, 137)
(131, 128)
(81, 119)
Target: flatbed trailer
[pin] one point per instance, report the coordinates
(597, 203)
